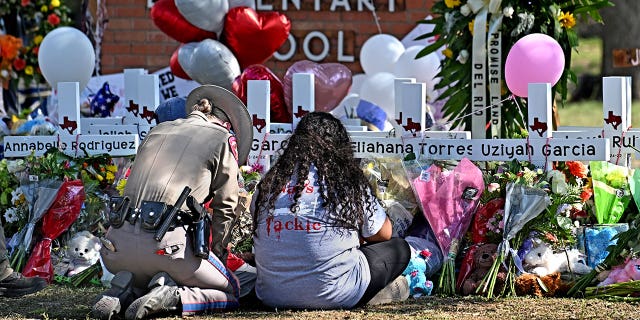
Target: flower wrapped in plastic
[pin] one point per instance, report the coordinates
(522, 204)
(611, 190)
(448, 199)
(64, 210)
(40, 195)
(390, 184)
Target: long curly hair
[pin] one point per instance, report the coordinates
(322, 141)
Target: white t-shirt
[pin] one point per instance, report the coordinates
(303, 261)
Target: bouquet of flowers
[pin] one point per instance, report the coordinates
(611, 190)
(448, 199)
(523, 203)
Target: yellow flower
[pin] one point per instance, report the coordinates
(447, 53)
(55, 3)
(112, 168)
(28, 70)
(37, 39)
(471, 25)
(567, 20)
(44, 8)
(451, 3)
(110, 177)
(120, 186)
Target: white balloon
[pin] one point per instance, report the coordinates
(378, 89)
(66, 55)
(356, 82)
(423, 70)
(209, 62)
(379, 53)
(204, 14)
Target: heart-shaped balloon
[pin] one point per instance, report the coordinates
(209, 62)
(279, 112)
(167, 18)
(331, 84)
(204, 14)
(254, 37)
(176, 68)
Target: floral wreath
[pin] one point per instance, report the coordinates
(38, 17)
(453, 29)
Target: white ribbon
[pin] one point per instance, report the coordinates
(479, 76)
(495, 75)
(479, 66)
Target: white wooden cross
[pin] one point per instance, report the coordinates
(616, 125)
(540, 148)
(69, 138)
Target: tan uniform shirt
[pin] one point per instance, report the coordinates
(188, 152)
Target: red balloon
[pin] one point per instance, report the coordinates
(331, 83)
(253, 37)
(167, 18)
(279, 111)
(175, 66)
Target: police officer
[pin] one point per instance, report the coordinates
(202, 151)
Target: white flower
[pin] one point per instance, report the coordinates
(465, 10)
(558, 182)
(493, 187)
(508, 11)
(11, 215)
(4, 73)
(16, 196)
(16, 165)
(463, 56)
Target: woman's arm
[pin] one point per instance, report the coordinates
(383, 234)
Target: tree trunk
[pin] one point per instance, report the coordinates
(621, 30)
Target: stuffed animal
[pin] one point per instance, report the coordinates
(83, 251)
(416, 276)
(630, 271)
(541, 260)
(482, 261)
(550, 285)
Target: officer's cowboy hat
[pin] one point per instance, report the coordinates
(234, 109)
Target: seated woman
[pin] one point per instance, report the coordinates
(312, 211)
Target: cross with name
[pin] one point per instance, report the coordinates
(70, 138)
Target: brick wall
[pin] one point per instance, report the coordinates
(131, 40)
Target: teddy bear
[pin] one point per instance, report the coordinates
(416, 275)
(541, 261)
(83, 251)
(629, 271)
(483, 258)
(551, 285)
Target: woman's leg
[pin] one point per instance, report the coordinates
(387, 260)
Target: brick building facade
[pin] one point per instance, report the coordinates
(131, 40)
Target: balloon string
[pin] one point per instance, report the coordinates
(471, 113)
(376, 18)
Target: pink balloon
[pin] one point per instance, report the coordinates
(331, 84)
(535, 58)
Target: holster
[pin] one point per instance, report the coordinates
(201, 235)
(152, 214)
(118, 209)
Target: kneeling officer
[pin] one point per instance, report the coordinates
(161, 270)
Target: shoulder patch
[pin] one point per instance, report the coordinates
(233, 144)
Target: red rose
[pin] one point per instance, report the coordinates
(25, 3)
(35, 50)
(53, 19)
(577, 169)
(19, 64)
(586, 194)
